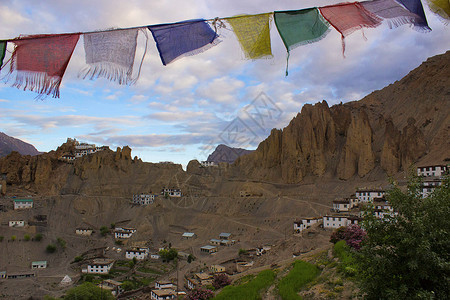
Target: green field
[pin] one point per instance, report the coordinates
(300, 274)
(250, 290)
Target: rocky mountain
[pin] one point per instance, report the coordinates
(404, 123)
(9, 144)
(224, 153)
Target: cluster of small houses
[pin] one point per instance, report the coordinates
(146, 199)
(223, 240)
(81, 149)
(432, 177)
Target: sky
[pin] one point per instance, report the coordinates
(182, 111)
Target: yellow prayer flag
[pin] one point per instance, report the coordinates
(253, 34)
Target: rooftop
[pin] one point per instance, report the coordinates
(209, 247)
(164, 292)
(203, 276)
(188, 234)
(225, 234)
(101, 261)
(23, 200)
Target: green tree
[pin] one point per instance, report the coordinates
(38, 237)
(407, 256)
(61, 242)
(190, 258)
(104, 230)
(168, 254)
(51, 248)
(13, 238)
(1, 238)
(27, 237)
(128, 285)
(88, 291)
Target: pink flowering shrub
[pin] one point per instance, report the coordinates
(221, 280)
(200, 294)
(353, 235)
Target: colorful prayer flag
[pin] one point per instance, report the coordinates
(395, 14)
(415, 6)
(441, 8)
(253, 34)
(2, 52)
(349, 17)
(110, 54)
(41, 60)
(186, 38)
(300, 27)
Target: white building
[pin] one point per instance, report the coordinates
(20, 223)
(342, 205)
(99, 266)
(23, 203)
(332, 222)
(164, 284)
(123, 233)
(428, 186)
(39, 264)
(171, 192)
(189, 235)
(112, 285)
(163, 294)
(225, 236)
(3, 275)
(83, 231)
(138, 253)
(305, 223)
(367, 195)
(155, 256)
(208, 249)
(143, 199)
(437, 170)
(208, 163)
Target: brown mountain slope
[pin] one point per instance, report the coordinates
(9, 144)
(406, 122)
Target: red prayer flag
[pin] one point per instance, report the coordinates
(349, 17)
(41, 60)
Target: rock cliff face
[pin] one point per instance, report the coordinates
(9, 144)
(224, 153)
(390, 129)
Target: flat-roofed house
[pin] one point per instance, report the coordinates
(225, 236)
(123, 232)
(341, 205)
(23, 203)
(208, 249)
(143, 199)
(163, 294)
(42, 264)
(432, 170)
(140, 253)
(99, 266)
(215, 242)
(305, 223)
(367, 195)
(217, 268)
(112, 285)
(83, 231)
(189, 235)
(164, 284)
(20, 223)
(331, 222)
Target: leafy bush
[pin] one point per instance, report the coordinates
(78, 258)
(51, 248)
(301, 273)
(249, 290)
(38, 237)
(128, 285)
(27, 237)
(353, 235)
(190, 258)
(200, 294)
(168, 254)
(61, 242)
(347, 259)
(221, 280)
(104, 230)
(242, 251)
(1, 238)
(88, 290)
(13, 238)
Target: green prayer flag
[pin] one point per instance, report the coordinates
(2, 52)
(300, 27)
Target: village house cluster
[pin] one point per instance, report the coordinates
(81, 149)
(432, 177)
